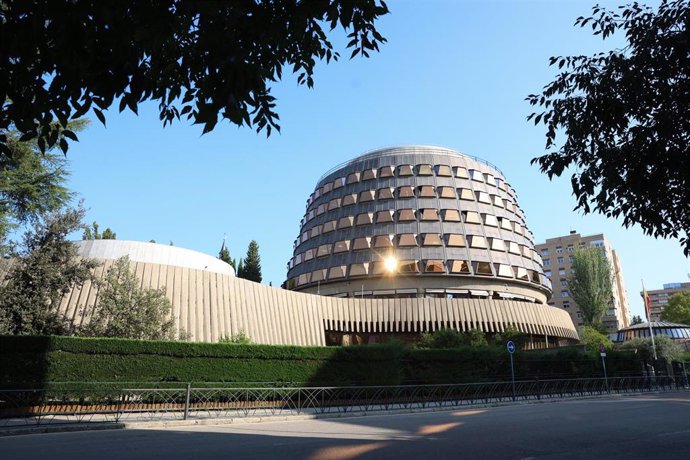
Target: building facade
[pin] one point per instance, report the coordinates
(659, 298)
(557, 256)
(209, 303)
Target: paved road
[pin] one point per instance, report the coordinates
(644, 426)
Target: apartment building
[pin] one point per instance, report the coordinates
(557, 255)
(659, 298)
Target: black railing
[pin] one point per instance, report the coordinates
(106, 403)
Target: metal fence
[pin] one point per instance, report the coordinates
(105, 403)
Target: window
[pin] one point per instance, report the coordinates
(345, 222)
(564, 282)
(352, 178)
(321, 209)
(482, 268)
(559, 250)
(571, 248)
(334, 204)
(471, 217)
(339, 182)
(337, 272)
(497, 245)
(431, 239)
(465, 194)
(329, 226)
(446, 192)
(503, 270)
(450, 215)
(521, 273)
(369, 174)
(579, 315)
(490, 220)
(407, 240)
(564, 293)
(385, 193)
(406, 215)
(385, 171)
(408, 266)
(359, 269)
(404, 170)
(547, 262)
(308, 254)
(349, 200)
(497, 201)
(483, 197)
(429, 214)
(359, 244)
(458, 266)
(489, 179)
(327, 188)
(571, 259)
(559, 260)
(544, 252)
(406, 191)
(364, 218)
(513, 248)
(426, 191)
(324, 250)
(341, 246)
(442, 170)
(434, 266)
(547, 273)
(366, 195)
(383, 241)
(316, 231)
(455, 240)
(476, 175)
(460, 172)
(566, 304)
(424, 170)
(506, 224)
(384, 216)
(477, 241)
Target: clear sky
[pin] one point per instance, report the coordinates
(453, 73)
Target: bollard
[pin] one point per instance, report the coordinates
(186, 401)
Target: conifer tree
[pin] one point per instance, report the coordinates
(224, 254)
(252, 263)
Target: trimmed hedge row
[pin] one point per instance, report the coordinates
(36, 360)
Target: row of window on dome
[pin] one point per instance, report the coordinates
(407, 170)
(411, 240)
(413, 267)
(409, 191)
(413, 215)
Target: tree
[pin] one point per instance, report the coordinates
(590, 284)
(624, 118)
(45, 269)
(678, 308)
(31, 185)
(637, 319)
(224, 254)
(198, 60)
(92, 233)
(128, 311)
(592, 339)
(665, 347)
(252, 263)
(240, 268)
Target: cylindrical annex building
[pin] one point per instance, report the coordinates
(416, 221)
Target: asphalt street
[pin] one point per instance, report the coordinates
(642, 426)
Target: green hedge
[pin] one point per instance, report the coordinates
(36, 360)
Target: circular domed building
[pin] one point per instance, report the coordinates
(416, 221)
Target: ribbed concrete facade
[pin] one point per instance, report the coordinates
(209, 305)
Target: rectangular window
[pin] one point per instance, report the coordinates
(559, 260)
(559, 250)
(564, 293)
(547, 262)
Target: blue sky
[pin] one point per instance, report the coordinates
(453, 73)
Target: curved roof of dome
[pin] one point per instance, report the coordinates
(139, 251)
(655, 325)
(409, 149)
